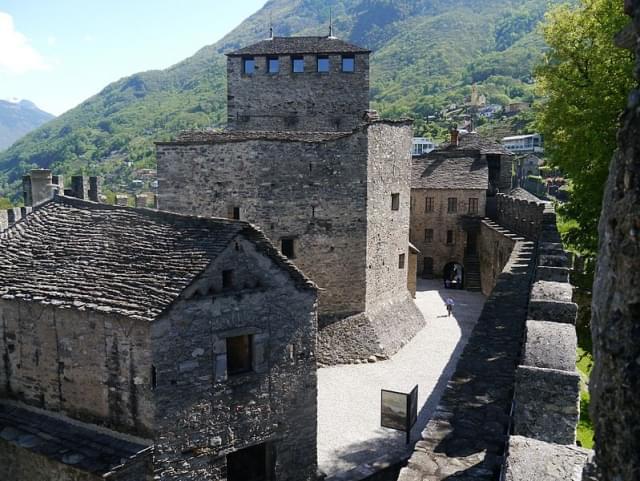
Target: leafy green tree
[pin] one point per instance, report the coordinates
(585, 80)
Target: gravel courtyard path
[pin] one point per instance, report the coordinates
(349, 432)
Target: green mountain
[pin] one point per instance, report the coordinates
(427, 54)
(18, 118)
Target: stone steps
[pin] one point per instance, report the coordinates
(472, 272)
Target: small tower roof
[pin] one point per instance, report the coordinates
(298, 46)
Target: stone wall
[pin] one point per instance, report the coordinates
(203, 412)
(388, 174)
(314, 193)
(494, 249)
(319, 102)
(94, 367)
(521, 216)
(547, 388)
(615, 323)
(8, 217)
(440, 221)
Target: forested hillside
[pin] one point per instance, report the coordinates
(427, 54)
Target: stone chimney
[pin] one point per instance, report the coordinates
(141, 200)
(39, 186)
(122, 199)
(80, 187)
(455, 136)
(94, 189)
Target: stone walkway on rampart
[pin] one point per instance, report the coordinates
(349, 432)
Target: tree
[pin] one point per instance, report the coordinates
(585, 80)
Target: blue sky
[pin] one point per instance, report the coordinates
(57, 53)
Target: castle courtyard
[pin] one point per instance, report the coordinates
(349, 432)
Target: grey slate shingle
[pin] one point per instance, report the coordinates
(445, 172)
(134, 262)
(72, 443)
(298, 46)
(476, 142)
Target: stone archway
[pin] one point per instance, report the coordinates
(453, 275)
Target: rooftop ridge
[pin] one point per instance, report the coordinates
(298, 45)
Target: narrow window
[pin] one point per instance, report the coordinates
(428, 235)
(473, 205)
(238, 354)
(227, 279)
(287, 248)
(234, 213)
(428, 205)
(395, 201)
(154, 377)
(348, 64)
(248, 65)
(273, 65)
(401, 261)
(297, 64)
(323, 63)
(452, 205)
(450, 239)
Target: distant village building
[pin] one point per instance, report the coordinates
(422, 145)
(144, 345)
(519, 144)
(517, 107)
(326, 180)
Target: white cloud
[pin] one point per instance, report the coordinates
(51, 40)
(16, 55)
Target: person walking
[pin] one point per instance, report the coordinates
(449, 303)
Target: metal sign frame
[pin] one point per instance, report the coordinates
(403, 421)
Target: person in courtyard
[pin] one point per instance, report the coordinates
(449, 304)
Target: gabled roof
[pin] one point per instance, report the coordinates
(299, 46)
(446, 172)
(522, 194)
(133, 262)
(474, 141)
(67, 441)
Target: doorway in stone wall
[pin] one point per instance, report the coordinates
(254, 463)
(453, 275)
(427, 269)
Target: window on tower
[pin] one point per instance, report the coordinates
(297, 64)
(273, 64)
(248, 65)
(348, 64)
(323, 63)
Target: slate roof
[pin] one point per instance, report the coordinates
(522, 194)
(477, 142)
(72, 443)
(224, 136)
(445, 172)
(134, 262)
(299, 46)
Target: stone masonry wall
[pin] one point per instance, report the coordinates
(94, 367)
(615, 323)
(314, 193)
(320, 102)
(203, 412)
(547, 388)
(388, 173)
(521, 216)
(440, 221)
(494, 249)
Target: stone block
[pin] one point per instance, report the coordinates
(554, 260)
(554, 311)
(552, 291)
(546, 405)
(550, 345)
(551, 248)
(532, 460)
(555, 274)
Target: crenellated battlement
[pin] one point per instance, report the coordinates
(523, 216)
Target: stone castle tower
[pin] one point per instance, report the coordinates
(330, 185)
(318, 84)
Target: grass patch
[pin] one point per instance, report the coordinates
(584, 364)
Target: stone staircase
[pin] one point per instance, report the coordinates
(472, 272)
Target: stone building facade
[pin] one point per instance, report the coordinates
(318, 84)
(334, 198)
(191, 343)
(448, 199)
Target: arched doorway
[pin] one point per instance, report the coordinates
(453, 275)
